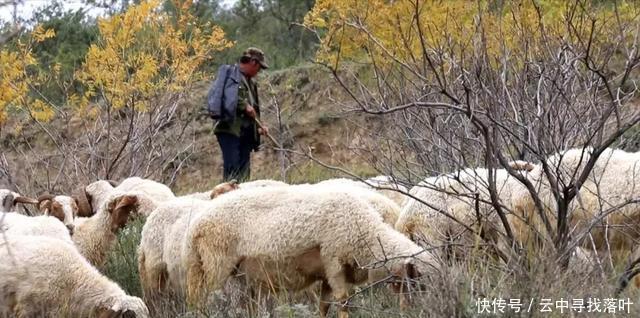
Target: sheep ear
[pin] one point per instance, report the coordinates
(223, 188)
(7, 202)
(120, 208)
(44, 203)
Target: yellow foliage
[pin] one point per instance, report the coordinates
(39, 34)
(143, 53)
(385, 31)
(14, 81)
(40, 111)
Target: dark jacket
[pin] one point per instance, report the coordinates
(223, 95)
(223, 106)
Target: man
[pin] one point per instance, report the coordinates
(233, 102)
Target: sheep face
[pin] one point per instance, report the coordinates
(127, 307)
(522, 165)
(406, 275)
(120, 208)
(61, 207)
(224, 188)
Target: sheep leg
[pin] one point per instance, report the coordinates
(325, 299)
(337, 280)
(400, 289)
(404, 298)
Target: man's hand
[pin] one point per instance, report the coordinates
(263, 130)
(250, 111)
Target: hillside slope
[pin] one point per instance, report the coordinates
(300, 106)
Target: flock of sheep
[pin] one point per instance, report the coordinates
(338, 232)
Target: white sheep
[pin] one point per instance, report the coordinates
(18, 224)
(612, 186)
(154, 192)
(330, 234)
(170, 219)
(152, 261)
(41, 275)
(94, 236)
(455, 194)
(153, 189)
(9, 200)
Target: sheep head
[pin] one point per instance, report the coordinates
(405, 280)
(61, 207)
(224, 188)
(124, 307)
(521, 165)
(96, 193)
(120, 208)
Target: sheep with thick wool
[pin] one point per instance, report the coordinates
(46, 276)
(94, 236)
(157, 256)
(152, 189)
(171, 219)
(609, 193)
(329, 234)
(452, 207)
(153, 192)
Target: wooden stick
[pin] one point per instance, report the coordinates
(260, 125)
